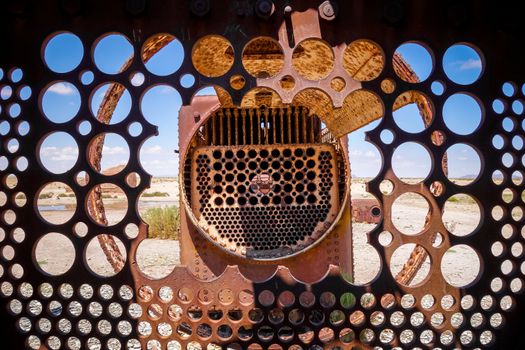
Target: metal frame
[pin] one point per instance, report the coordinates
(494, 29)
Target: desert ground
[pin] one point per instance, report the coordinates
(156, 258)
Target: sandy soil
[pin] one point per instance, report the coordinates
(157, 258)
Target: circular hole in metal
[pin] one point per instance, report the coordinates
(418, 57)
(461, 214)
(460, 266)
(56, 203)
(363, 60)
(53, 52)
(399, 259)
(313, 59)
(96, 259)
(118, 47)
(166, 60)
(60, 101)
(54, 254)
(58, 152)
(212, 56)
(463, 63)
(263, 57)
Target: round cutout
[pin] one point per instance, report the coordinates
(363, 60)
(413, 111)
(63, 52)
(413, 62)
(60, 102)
(411, 162)
(165, 61)
(212, 56)
(462, 64)
(114, 154)
(114, 203)
(96, 259)
(460, 266)
(56, 203)
(58, 152)
(401, 256)
(263, 57)
(462, 113)
(104, 96)
(461, 214)
(54, 254)
(410, 213)
(463, 164)
(113, 53)
(313, 59)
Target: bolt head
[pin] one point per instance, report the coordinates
(264, 8)
(200, 7)
(328, 10)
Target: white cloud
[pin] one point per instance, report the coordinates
(470, 64)
(165, 90)
(63, 157)
(407, 164)
(62, 89)
(53, 151)
(110, 151)
(60, 154)
(156, 149)
(47, 151)
(360, 153)
(6, 92)
(370, 154)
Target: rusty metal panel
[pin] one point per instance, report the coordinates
(366, 210)
(265, 202)
(80, 309)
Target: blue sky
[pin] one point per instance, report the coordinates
(160, 105)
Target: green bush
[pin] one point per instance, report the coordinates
(108, 196)
(164, 223)
(47, 195)
(156, 194)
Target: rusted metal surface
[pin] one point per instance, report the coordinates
(271, 207)
(492, 30)
(366, 210)
(219, 131)
(104, 114)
